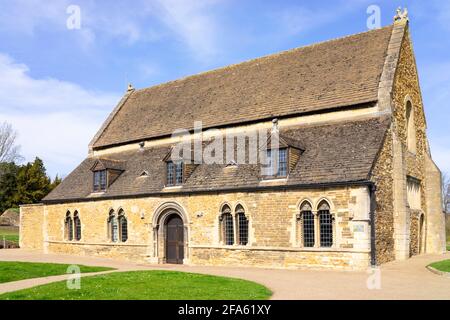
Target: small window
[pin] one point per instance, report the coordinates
(99, 180)
(277, 167)
(410, 127)
(113, 228)
(227, 226)
(174, 173)
(242, 225)
(68, 227)
(326, 225)
(307, 220)
(123, 227)
(77, 225)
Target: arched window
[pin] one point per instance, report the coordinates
(307, 220)
(242, 225)
(113, 227)
(123, 227)
(77, 226)
(227, 226)
(326, 225)
(68, 227)
(410, 127)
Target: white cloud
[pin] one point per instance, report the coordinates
(194, 23)
(297, 19)
(55, 119)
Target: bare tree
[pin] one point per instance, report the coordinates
(446, 192)
(9, 151)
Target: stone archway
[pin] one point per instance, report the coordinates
(170, 217)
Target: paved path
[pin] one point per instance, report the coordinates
(399, 280)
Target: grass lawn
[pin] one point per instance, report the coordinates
(10, 233)
(147, 285)
(442, 265)
(14, 271)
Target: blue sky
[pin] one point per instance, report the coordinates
(57, 85)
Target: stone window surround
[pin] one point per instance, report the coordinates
(411, 142)
(112, 213)
(158, 228)
(315, 211)
(234, 213)
(69, 215)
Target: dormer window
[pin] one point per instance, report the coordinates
(282, 154)
(99, 180)
(174, 173)
(277, 163)
(105, 172)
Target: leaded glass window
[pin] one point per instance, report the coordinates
(68, 227)
(100, 180)
(308, 232)
(242, 225)
(123, 227)
(77, 225)
(227, 226)
(326, 225)
(277, 166)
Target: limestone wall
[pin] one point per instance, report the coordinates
(274, 239)
(32, 227)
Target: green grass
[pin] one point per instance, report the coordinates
(14, 271)
(442, 265)
(10, 233)
(147, 285)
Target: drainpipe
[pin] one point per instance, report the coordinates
(373, 255)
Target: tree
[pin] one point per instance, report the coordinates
(33, 184)
(446, 192)
(9, 151)
(8, 185)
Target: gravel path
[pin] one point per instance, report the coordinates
(398, 280)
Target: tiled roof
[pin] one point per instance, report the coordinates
(337, 152)
(331, 74)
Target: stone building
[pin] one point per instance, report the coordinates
(349, 180)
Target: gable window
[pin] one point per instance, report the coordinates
(77, 226)
(307, 223)
(123, 227)
(174, 173)
(410, 127)
(68, 227)
(242, 225)
(277, 164)
(227, 227)
(325, 224)
(99, 180)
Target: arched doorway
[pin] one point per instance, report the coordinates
(174, 239)
(170, 225)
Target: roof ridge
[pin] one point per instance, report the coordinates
(272, 55)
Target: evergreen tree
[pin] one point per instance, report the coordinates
(8, 185)
(24, 184)
(33, 184)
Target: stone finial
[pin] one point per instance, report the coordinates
(130, 88)
(401, 16)
(275, 125)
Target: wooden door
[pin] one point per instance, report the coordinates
(175, 240)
